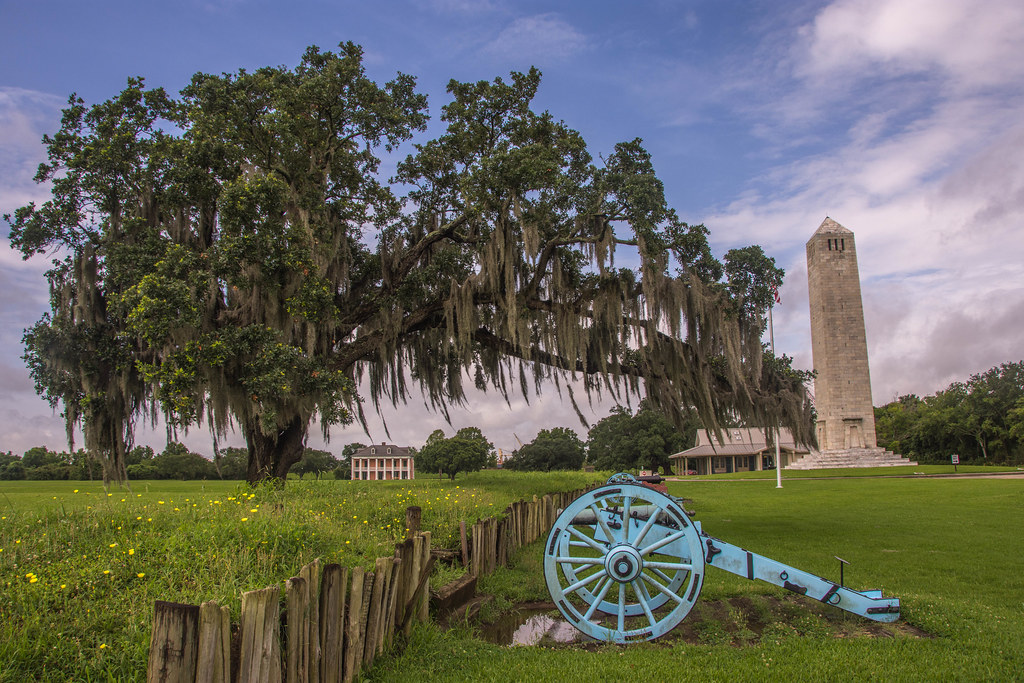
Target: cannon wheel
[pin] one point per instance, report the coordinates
(623, 563)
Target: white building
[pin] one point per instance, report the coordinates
(383, 462)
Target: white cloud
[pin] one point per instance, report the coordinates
(542, 36)
(975, 42)
(929, 175)
(25, 115)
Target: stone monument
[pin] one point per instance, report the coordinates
(842, 385)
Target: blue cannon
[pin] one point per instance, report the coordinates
(625, 563)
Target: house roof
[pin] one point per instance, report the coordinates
(382, 449)
(738, 441)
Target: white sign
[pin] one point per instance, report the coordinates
(955, 458)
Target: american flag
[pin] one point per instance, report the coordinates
(775, 293)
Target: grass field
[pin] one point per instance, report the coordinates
(950, 549)
(897, 471)
(80, 568)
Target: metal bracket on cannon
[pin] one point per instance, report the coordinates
(625, 562)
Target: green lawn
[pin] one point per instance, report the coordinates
(896, 471)
(80, 568)
(950, 549)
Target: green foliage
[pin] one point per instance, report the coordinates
(981, 420)
(214, 264)
(624, 441)
(752, 279)
(552, 449)
(467, 451)
(315, 462)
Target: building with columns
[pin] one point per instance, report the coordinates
(383, 462)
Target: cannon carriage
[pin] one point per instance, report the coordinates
(625, 562)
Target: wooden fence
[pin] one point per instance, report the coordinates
(335, 620)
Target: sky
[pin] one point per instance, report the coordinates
(903, 120)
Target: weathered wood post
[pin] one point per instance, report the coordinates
(311, 573)
(296, 592)
(423, 613)
(173, 647)
(261, 636)
(465, 546)
(355, 608)
(332, 618)
(214, 661)
(413, 513)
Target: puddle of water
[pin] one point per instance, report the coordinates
(530, 627)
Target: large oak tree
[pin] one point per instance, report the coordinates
(232, 255)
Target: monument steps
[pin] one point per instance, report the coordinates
(850, 457)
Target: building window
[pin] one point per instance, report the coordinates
(389, 450)
(373, 451)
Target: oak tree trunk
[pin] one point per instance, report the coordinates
(272, 455)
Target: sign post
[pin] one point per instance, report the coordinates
(955, 458)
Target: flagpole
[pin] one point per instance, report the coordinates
(778, 432)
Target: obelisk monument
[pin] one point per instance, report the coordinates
(842, 386)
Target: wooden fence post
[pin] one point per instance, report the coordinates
(214, 661)
(332, 618)
(373, 614)
(261, 636)
(296, 600)
(173, 646)
(413, 514)
(424, 608)
(355, 606)
(311, 573)
(465, 547)
(391, 610)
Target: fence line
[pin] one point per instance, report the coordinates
(336, 620)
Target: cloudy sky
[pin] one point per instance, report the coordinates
(903, 120)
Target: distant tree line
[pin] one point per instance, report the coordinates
(981, 420)
(176, 461)
(623, 441)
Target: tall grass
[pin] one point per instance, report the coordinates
(80, 568)
(949, 549)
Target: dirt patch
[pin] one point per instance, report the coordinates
(739, 621)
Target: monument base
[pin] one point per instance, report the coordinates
(850, 457)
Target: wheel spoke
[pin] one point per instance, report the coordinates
(603, 524)
(668, 565)
(647, 527)
(580, 560)
(627, 502)
(663, 542)
(622, 607)
(586, 539)
(657, 572)
(597, 599)
(663, 589)
(583, 582)
(640, 591)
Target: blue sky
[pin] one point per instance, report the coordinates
(903, 120)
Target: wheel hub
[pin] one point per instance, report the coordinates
(623, 563)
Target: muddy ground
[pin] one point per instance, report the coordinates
(739, 621)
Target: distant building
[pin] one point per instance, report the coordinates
(383, 462)
(743, 449)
